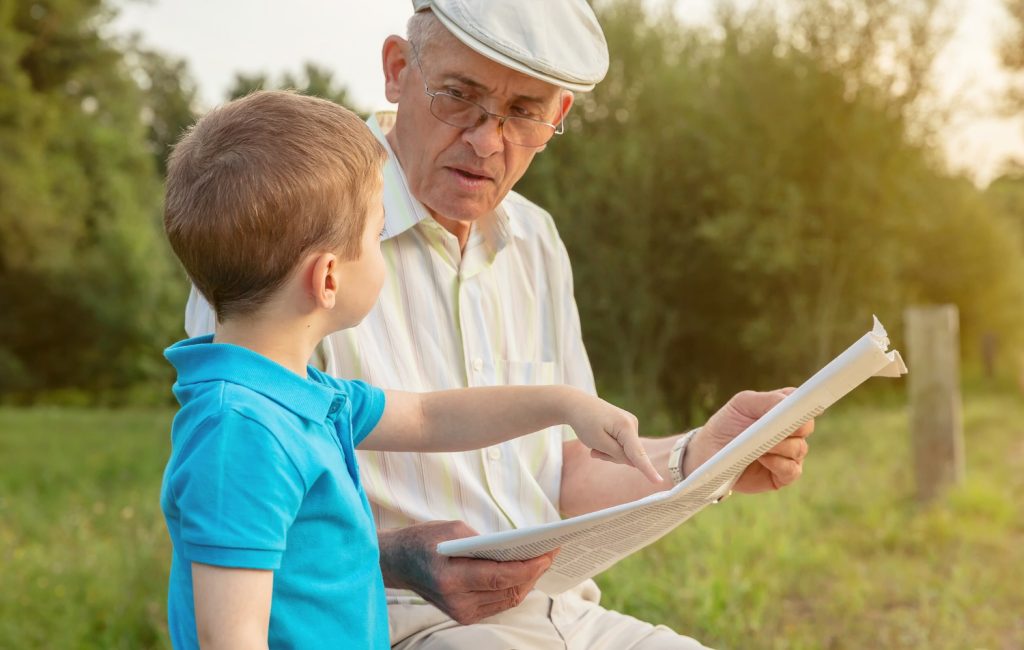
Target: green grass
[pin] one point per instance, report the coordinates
(844, 559)
(83, 545)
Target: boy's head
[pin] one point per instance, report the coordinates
(260, 183)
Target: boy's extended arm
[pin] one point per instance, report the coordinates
(232, 606)
(471, 418)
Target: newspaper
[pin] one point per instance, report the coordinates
(593, 542)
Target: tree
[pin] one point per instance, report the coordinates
(84, 271)
(169, 99)
(739, 200)
(1012, 53)
(314, 80)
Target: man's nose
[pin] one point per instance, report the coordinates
(486, 138)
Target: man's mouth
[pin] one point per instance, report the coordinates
(473, 176)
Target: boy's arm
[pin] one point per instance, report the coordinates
(232, 606)
(470, 418)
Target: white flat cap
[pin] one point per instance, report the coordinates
(557, 41)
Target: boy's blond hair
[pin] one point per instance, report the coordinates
(260, 182)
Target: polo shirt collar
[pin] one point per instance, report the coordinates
(199, 360)
(402, 210)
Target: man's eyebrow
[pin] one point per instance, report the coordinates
(476, 85)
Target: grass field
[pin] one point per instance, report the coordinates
(845, 559)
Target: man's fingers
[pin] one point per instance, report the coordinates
(486, 575)
(486, 598)
(792, 447)
(472, 606)
(783, 470)
(804, 431)
(752, 404)
(496, 608)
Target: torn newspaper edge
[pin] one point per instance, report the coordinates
(593, 542)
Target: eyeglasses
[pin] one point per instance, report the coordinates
(465, 114)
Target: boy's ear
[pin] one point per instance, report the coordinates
(325, 280)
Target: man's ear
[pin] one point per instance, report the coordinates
(325, 280)
(395, 58)
(565, 100)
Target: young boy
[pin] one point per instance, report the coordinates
(274, 208)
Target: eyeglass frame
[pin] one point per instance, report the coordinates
(556, 129)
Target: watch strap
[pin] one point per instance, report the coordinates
(678, 455)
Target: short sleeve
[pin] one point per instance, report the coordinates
(237, 493)
(367, 408)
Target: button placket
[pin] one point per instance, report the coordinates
(480, 373)
(332, 411)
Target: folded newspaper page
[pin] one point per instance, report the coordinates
(593, 542)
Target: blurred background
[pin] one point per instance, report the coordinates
(750, 183)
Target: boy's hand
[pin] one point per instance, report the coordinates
(610, 432)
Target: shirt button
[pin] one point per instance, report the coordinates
(478, 364)
(494, 453)
(335, 405)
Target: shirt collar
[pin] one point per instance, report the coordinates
(402, 210)
(200, 360)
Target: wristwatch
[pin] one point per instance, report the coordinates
(675, 459)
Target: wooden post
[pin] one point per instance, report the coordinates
(933, 346)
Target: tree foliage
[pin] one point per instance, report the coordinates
(738, 198)
(738, 201)
(314, 80)
(84, 275)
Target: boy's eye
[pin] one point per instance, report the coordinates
(382, 232)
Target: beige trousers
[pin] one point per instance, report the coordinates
(570, 621)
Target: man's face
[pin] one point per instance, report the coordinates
(461, 174)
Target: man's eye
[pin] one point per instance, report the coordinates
(455, 92)
(519, 111)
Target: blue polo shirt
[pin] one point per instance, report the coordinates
(262, 475)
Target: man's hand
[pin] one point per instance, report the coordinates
(778, 467)
(464, 588)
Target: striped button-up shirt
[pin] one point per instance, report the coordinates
(499, 312)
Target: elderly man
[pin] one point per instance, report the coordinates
(479, 292)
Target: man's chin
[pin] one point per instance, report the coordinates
(468, 209)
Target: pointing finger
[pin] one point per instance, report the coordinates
(638, 458)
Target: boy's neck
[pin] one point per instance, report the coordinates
(289, 343)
